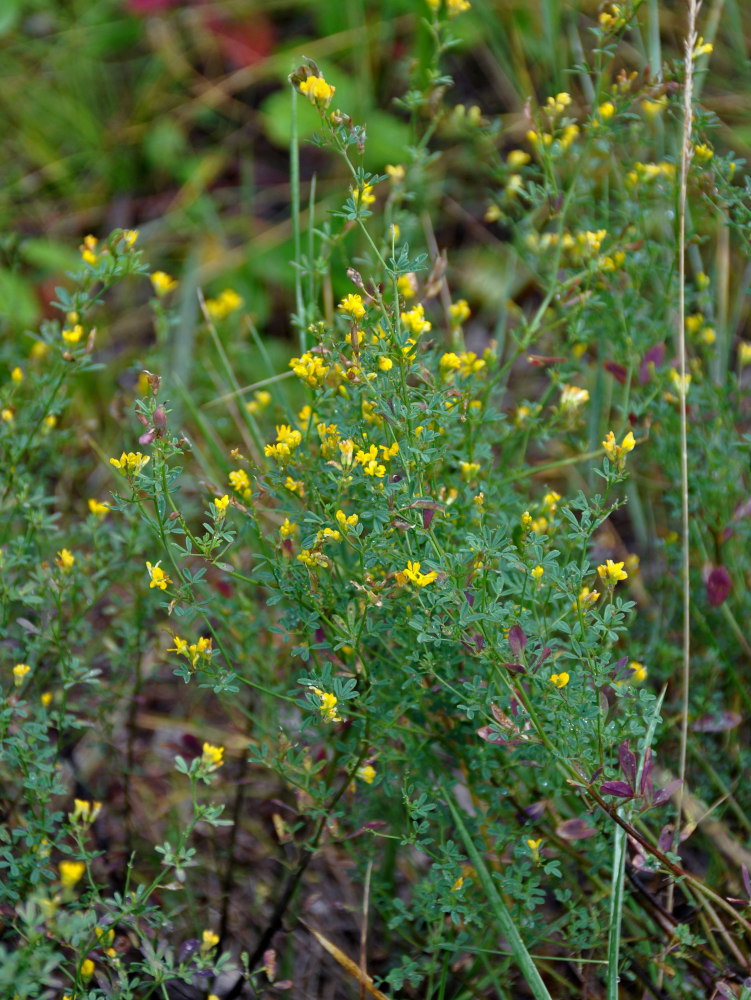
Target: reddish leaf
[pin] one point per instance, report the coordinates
(618, 371)
(575, 829)
(627, 760)
(718, 723)
(652, 359)
(718, 586)
(619, 788)
(517, 640)
(515, 668)
(663, 794)
(541, 360)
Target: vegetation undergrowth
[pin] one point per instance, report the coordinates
(412, 603)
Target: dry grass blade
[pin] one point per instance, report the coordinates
(346, 963)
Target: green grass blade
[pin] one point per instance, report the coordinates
(500, 911)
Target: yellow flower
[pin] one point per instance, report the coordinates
(129, 238)
(653, 108)
(239, 481)
(703, 153)
(88, 249)
(415, 321)
(220, 506)
(287, 529)
(317, 91)
(534, 849)
(459, 312)
(572, 398)
(87, 969)
(537, 573)
(364, 195)
(259, 402)
(518, 158)
(17, 375)
(65, 560)
(413, 574)
(560, 680)
(328, 706)
(612, 572)
(469, 470)
(702, 48)
(366, 773)
(397, 174)
(606, 110)
(617, 452)
(586, 599)
(526, 521)
(353, 306)
(638, 671)
(157, 576)
(222, 306)
(71, 872)
(345, 523)
(130, 463)
(19, 672)
(163, 283)
(46, 698)
(406, 285)
(73, 335)
(211, 759)
(744, 354)
(84, 812)
(99, 509)
(455, 7)
(310, 369)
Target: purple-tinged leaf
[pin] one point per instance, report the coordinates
(515, 668)
(617, 370)
(665, 840)
(427, 516)
(627, 760)
(645, 785)
(721, 722)
(663, 794)
(619, 788)
(517, 640)
(536, 810)
(470, 598)
(742, 510)
(718, 586)
(652, 359)
(575, 829)
(542, 657)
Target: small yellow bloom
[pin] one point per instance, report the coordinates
(459, 312)
(534, 849)
(638, 672)
(88, 250)
(19, 673)
(606, 110)
(328, 705)
(586, 599)
(413, 574)
(71, 873)
(612, 572)
(469, 470)
(397, 174)
(163, 283)
(415, 321)
(99, 509)
(259, 402)
(345, 522)
(130, 463)
(239, 481)
(526, 521)
(653, 108)
(353, 306)
(366, 773)
(84, 812)
(129, 238)
(209, 941)
(65, 560)
(87, 969)
(317, 91)
(617, 452)
(560, 680)
(364, 196)
(702, 48)
(7, 415)
(287, 529)
(72, 336)
(406, 285)
(385, 364)
(518, 158)
(46, 699)
(537, 573)
(157, 576)
(572, 397)
(211, 759)
(227, 302)
(744, 354)
(17, 375)
(220, 506)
